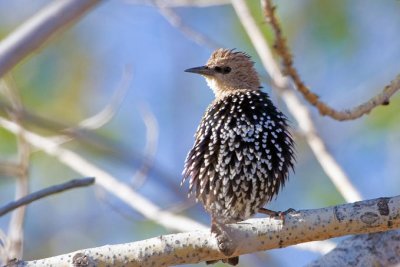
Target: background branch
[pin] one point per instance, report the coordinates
(15, 238)
(46, 192)
(378, 249)
(176, 21)
(298, 110)
(253, 235)
(105, 180)
(150, 149)
(37, 30)
(283, 51)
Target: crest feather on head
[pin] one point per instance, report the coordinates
(223, 55)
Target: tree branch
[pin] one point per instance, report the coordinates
(298, 110)
(105, 180)
(176, 21)
(15, 238)
(44, 193)
(324, 109)
(37, 30)
(253, 235)
(379, 249)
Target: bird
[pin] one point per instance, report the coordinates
(243, 150)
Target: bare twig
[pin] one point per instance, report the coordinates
(15, 238)
(101, 118)
(106, 146)
(108, 112)
(328, 163)
(175, 20)
(378, 249)
(46, 192)
(105, 180)
(16, 224)
(324, 109)
(37, 30)
(3, 248)
(150, 149)
(253, 235)
(295, 106)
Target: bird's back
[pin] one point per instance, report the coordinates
(241, 156)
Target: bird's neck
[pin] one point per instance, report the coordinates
(222, 90)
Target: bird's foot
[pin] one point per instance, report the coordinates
(226, 243)
(276, 214)
(224, 236)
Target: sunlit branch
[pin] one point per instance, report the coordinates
(369, 216)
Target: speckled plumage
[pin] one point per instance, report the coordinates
(241, 156)
(243, 151)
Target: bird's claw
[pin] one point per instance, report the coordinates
(276, 214)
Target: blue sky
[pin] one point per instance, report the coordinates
(345, 58)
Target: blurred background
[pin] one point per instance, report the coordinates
(346, 51)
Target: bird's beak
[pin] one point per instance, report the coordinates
(203, 70)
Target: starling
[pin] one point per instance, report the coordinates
(243, 150)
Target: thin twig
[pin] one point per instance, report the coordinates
(119, 152)
(102, 117)
(175, 20)
(150, 121)
(36, 31)
(105, 180)
(15, 237)
(16, 225)
(46, 192)
(108, 112)
(369, 216)
(299, 111)
(324, 109)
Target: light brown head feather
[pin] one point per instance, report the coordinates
(242, 74)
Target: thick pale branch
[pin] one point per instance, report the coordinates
(379, 249)
(253, 235)
(283, 51)
(37, 30)
(44, 193)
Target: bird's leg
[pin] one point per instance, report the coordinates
(226, 243)
(270, 213)
(224, 237)
(280, 214)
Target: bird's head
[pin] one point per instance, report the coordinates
(227, 71)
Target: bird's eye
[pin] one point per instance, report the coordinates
(223, 70)
(218, 69)
(226, 70)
